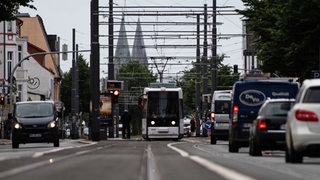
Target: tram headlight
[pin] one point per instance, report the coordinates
(153, 122)
(173, 123)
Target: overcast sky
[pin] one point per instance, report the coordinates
(61, 16)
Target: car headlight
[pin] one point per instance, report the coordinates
(52, 124)
(17, 126)
(173, 122)
(153, 122)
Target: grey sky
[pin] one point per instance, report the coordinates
(60, 16)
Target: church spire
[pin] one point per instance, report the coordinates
(138, 50)
(122, 55)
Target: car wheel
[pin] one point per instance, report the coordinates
(15, 144)
(254, 149)
(293, 156)
(232, 147)
(56, 143)
(213, 139)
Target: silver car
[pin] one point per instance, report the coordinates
(303, 125)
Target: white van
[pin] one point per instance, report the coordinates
(220, 110)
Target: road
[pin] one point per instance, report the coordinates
(189, 158)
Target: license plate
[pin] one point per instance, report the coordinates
(246, 125)
(222, 124)
(34, 135)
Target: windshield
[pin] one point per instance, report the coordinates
(275, 109)
(34, 110)
(163, 104)
(222, 107)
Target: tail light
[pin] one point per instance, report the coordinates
(235, 114)
(262, 124)
(235, 109)
(304, 115)
(212, 115)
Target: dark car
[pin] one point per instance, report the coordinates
(268, 129)
(34, 122)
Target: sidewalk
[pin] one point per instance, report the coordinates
(5, 141)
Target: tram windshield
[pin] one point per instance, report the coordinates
(163, 104)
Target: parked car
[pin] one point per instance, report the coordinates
(268, 129)
(303, 125)
(34, 122)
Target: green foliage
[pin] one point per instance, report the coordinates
(9, 8)
(84, 87)
(287, 35)
(136, 75)
(225, 80)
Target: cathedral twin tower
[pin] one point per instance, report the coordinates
(122, 54)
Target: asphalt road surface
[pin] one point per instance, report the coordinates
(189, 158)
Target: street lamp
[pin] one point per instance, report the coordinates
(27, 58)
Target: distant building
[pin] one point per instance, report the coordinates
(122, 55)
(39, 41)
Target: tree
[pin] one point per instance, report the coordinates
(287, 35)
(225, 78)
(84, 87)
(9, 8)
(136, 76)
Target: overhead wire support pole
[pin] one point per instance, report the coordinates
(95, 72)
(205, 66)
(197, 85)
(214, 49)
(111, 42)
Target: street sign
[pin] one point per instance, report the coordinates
(207, 125)
(315, 74)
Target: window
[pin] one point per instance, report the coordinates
(19, 54)
(19, 92)
(9, 62)
(312, 95)
(9, 28)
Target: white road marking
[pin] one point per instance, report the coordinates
(216, 168)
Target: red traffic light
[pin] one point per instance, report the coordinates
(116, 93)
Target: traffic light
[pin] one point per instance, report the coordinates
(116, 94)
(235, 69)
(2, 100)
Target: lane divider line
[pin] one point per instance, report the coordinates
(216, 168)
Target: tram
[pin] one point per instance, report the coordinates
(162, 112)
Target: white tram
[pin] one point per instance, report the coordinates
(162, 112)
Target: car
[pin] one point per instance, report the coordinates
(303, 125)
(268, 129)
(35, 122)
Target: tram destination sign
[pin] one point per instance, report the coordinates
(114, 85)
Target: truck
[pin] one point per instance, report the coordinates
(248, 94)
